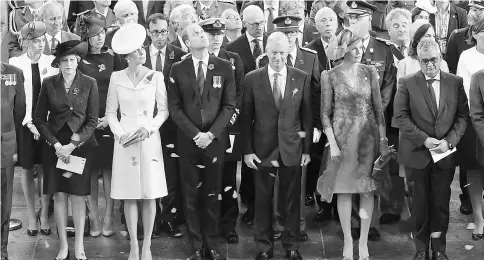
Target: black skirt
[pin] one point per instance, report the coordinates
(467, 148)
(103, 154)
(29, 149)
(78, 184)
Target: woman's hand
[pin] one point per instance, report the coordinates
(64, 152)
(335, 152)
(34, 131)
(121, 139)
(142, 133)
(102, 123)
(384, 149)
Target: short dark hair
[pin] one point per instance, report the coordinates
(153, 18)
(412, 52)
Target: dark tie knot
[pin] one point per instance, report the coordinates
(431, 81)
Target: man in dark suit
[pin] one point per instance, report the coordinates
(447, 19)
(146, 8)
(181, 17)
(160, 56)
(327, 23)
(249, 46)
(431, 110)
(201, 106)
(213, 8)
(277, 127)
(459, 41)
(307, 61)
(215, 27)
(270, 8)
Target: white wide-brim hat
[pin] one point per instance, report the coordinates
(426, 5)
(128, 38)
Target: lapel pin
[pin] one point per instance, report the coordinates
(102, 67)
(172, 80)
(371, 49)
(75, 91)
(294, 92)
(171, 56)
(210, 66)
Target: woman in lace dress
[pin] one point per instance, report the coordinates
(353, 122)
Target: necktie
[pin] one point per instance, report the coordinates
(270, 25)
(432, 93)
(200, 77)
(276, 91)
(257, 50)
(159, 65)
(289, 60)
(53, 45)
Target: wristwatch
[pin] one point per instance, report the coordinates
(450, 145)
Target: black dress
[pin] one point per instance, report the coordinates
(29, 149)
(101, 66)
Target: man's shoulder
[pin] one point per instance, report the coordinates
(313, 45)
(11, 69)
(384, 43)
(255, 73)
(308, 51)
(235, 44)
(297, 72)
(178, 52)
(450, 76)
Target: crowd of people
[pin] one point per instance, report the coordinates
(347, 105)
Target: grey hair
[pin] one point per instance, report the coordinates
(397, 12)
(276, 37)
(123, 5)
(177, 12)
(427, 45)
(48, 5)
(287, 6)
(320, 12)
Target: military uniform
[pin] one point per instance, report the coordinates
(217, 7)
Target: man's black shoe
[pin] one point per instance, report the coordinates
(156, 229)
(248, 215)
(213, 255)
(232, 237)
(293, 255)
(277, 235)
(303, 236)
(310, 200)
(439, 256)
(421, 256)
(264, 256)
(197, 255)
(388, 218)
(171, 229)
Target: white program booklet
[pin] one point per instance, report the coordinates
(439, 156)
(232, 138)
(76, 164)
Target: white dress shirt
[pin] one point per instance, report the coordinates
(154, 54)
(204, 7)
(436, 87)
(275, 11)
(325, 45)
(293, 54)
(205, 65)
(366, 42)
(261, 43)
(48, 39)
(145, 8)
(105, 13)
(281, 80)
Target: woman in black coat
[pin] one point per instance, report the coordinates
(66, 117)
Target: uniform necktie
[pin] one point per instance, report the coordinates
(289, 60)
(270, 25)
(276, 91)
(432, 93)
(53, 45)
(200, 77)
(159, 65)
(257, 50)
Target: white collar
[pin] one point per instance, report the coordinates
(216, 52)
(204, 6)
(437, 77)
(294, 55)
(196, 61)
(154, 50)
(275, 5)
(250, 38)
(301, 27)
(57, 37)
(105, 13)
(182, 44)
(282, 73)
(325, 43)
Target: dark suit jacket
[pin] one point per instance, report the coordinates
(324, 62)
(476, 99)
(456, 45)
(457, 20)
(273, 134)
(173, 54)
(154, 6)
(418, 120)
(210, 111)
(309, 34)
(65, 36)
(242, 47)
(234, 125)
(78, 109)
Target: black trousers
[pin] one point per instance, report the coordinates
(247, 186)
(172, 205)
(230, 206)
(430, 208)
(289, 194)
(201, 181)
(6, 180)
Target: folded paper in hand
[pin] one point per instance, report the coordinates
(129, 138)
(75, 165)
(439, 156)
(232, 138)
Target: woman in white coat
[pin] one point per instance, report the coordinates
(36, 66)
(138, 169)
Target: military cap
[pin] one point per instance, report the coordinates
(32, 30)
(90, 24)
(476, 3)
(286, 23)
(213, 25)
(360, 7)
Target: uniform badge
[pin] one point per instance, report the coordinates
(287, 21)
(171, 56)
(217, 81)
(102, 67)
(75, 91)
(217, 24)
(233, 62)
(210, 66)
(371, 50)
(353, 5)
(44, 71)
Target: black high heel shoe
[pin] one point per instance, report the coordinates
(67, 257)
(46, 231)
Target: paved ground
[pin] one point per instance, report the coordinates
(325, 241)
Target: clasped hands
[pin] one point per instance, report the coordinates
(250, 158)
(202, 140)
(140, 135)
(64, 151)
(438, 146)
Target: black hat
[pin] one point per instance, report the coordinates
(90, 24)
(213, 25)
(360, 7)
(32, 30)
(70, 47)
(286, 23)
(476, 3)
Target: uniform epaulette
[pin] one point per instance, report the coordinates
(81, 13)
(309, 50)
(387, 42)
(185, 56)
(257, 61)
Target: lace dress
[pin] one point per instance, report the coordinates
(354, 112)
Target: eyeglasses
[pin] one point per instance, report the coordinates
(357, 17)
(256, 25)
(427, 61)
(156, 32)
(291, 33)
